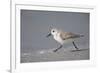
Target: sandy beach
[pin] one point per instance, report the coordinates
(64, 54)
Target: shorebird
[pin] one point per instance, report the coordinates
(64, 37)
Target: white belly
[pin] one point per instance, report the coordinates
(61, 41)
(58, 39)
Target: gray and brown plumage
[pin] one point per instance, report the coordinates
(64, 37)
(69, 35)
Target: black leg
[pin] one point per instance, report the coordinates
(58, 48)
(75, 45)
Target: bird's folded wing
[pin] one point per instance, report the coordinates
(68, 35)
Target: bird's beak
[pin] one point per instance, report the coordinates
(48, 35)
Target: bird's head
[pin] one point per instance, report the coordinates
(52, 31)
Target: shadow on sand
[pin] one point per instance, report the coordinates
(79, 50)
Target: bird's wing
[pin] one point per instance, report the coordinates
(68, 35)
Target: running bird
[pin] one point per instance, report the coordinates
(64, 37)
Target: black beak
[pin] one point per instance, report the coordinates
(48, 35)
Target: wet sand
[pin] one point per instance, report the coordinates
(64, 54)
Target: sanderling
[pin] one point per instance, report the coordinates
(64, 37)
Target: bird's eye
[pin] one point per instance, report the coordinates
(53, 31)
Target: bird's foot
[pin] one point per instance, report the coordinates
(75, 50)
(78, 50)
(55, 50)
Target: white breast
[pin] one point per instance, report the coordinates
(58, 38)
